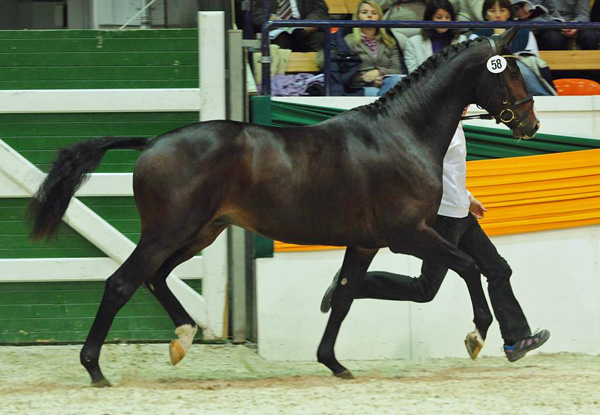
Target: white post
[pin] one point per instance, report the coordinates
(211, 51)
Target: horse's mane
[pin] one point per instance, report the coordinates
(432, 62)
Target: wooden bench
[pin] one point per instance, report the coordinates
(341, 6)
(572, 60)
(303, 62)
(558, 60)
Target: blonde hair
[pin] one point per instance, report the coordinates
(382, 34)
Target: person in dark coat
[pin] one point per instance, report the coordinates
(307, 39)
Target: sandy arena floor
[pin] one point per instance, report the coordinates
(226, 379)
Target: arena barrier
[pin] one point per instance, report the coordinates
(59, 87)
(555, 271)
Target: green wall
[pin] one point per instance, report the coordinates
(72, 59)
(63, 312)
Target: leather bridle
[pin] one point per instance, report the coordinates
(507, 115)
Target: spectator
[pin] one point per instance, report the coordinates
(305, 39)
(430, 41)
(403, 10)
(380, 68)
(469, 10)
(564, 10)
(577, 11)
(524, 45)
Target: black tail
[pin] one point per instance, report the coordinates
(68, 173)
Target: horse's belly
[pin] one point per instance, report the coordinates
(311, 229)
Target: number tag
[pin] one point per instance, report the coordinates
(496, 64)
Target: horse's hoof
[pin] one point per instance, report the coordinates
(474, 343)
(103, 383)
(178, 348)
(344, 375)
(176, 352)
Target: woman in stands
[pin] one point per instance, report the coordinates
(380, 68)
(534, 70)
(430, 41)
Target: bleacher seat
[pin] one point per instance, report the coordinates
(576, 86)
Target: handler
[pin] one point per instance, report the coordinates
(457, 222)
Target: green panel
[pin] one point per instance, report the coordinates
(97, 43)
(120, 212)
(126, 73)
(262, 110)
(38, 136)
(67, 59)
(15, 243)
(63, 312)
(92, 60)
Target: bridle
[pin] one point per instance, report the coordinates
(507, 114)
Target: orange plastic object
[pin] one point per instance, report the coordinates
(576, 86)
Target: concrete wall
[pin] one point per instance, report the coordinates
(556, 279)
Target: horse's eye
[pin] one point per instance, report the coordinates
(514, 75)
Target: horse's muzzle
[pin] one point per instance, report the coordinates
(524, 131)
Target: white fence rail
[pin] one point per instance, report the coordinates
(19, 178)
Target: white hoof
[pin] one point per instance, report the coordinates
(474, 343)
(178, 348)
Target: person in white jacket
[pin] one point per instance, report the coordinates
(430, 41)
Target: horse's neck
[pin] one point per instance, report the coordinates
(435, 104)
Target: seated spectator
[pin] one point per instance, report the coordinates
(305, 39)
(535, 72)
(380, 67)
(577, 11)
(430, 41)
(403, 10)
(562, 11)
(469, 10)
(343, 66)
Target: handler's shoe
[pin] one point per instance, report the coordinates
(520, 348)
(326, 301)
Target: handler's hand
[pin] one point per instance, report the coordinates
(476, 208)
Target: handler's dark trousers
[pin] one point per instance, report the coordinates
(471, 239)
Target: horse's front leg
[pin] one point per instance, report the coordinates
(356, 263)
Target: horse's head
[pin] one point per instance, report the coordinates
(505, 92)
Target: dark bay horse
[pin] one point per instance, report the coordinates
(365, 179)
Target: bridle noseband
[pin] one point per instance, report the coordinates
(507, 114)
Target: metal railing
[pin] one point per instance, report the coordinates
(265, 85)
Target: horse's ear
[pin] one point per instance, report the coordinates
(505, 38)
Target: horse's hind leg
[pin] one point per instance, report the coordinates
(356, 263)
(185, 327)
(144, 262)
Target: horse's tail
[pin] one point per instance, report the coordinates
(69, 171)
